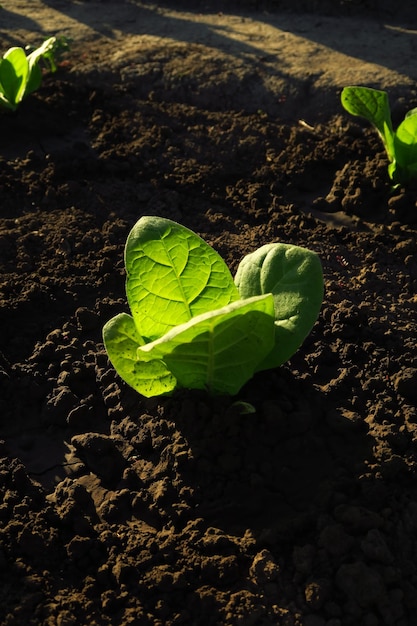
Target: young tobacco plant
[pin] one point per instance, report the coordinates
(401, 144)
(20, 74)
(193, 326)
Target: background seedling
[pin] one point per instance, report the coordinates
(400, 145)
(21, 74)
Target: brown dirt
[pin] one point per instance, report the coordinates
(117, 510)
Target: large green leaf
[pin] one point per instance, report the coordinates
(121, 340)
(218, 350)
(294, 277)
(172, 276)
(14, 69)
(373, 105)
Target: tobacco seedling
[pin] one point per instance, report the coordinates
(193, 326)
(21, 74)
(400, 145)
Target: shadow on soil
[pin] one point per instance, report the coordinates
(136, 18)
(276, 468)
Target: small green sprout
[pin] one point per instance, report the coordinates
(192, 326)
(400, 145)
(20, 74)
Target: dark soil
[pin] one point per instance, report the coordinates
(118, 510)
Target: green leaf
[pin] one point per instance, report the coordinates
(34, 81)
(172, 276)
(218, 350)
(243, 408)
(46, 52)
(405, 142)
(121, 340)
(14, 69)
(294, 277)
(373, 105)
